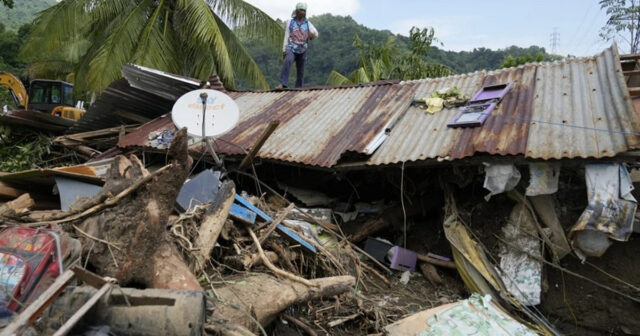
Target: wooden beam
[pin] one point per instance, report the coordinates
(631, 72)
(437, 262)
(10, 192)
(263, 138)
(634, 91)
(629, 57)
(131, 116)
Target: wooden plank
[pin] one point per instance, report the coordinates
(294, 238)
(437, 262)
(256, 147)
(212, 223)
(546, 211)
(10, 192)
(242, 214)
(631, 72)
(275, 223)
(89, 278)
(35, 309)
(253, 208)
(73, 320)
(634, 91)
(629, 57)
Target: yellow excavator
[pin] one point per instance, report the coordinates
(49, 96)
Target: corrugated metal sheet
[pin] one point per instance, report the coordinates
(317, 126)
(146, 92)
(575, 108)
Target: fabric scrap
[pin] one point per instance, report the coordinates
(521, 272)
(544, 178)
(499, 178)
(612, 207)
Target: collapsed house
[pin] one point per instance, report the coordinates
(517, 183)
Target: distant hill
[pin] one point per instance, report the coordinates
(23, 11)
(334, 50)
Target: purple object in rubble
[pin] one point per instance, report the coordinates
(492, 92)
(403, 259)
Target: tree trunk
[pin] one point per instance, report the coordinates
(139, 249)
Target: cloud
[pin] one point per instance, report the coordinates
(282, 9)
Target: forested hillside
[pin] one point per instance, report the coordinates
(334, 50)
(23, 11)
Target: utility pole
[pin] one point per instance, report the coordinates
(555, 40)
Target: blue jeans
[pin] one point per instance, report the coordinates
(289, 58)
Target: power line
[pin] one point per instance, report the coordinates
(573, 41)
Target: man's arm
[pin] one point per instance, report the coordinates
(286, 36)
(313, 32)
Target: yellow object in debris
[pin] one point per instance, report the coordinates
(435, 105)
(67, 112)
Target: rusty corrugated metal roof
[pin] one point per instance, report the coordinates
(574, 108)
(318, 126)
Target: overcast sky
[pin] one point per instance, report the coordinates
(466, 24)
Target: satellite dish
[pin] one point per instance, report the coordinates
(222, 113)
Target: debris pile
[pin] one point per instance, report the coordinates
(382, 220)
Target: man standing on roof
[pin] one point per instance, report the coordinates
(298, 32)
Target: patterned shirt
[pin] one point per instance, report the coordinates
(297, 35)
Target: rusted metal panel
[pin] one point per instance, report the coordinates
(316, 126)
(575, 108)
(140, 137)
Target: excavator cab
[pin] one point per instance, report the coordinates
(45, 95)
(54, 97)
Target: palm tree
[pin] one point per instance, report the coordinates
(188, 37)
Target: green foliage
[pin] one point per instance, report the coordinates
(623, 22)
(334, 50)
(414, 65)
(187, 37)
(511, 61)
(22, 150)
(21, 12)
(385, 61)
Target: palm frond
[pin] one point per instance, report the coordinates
(157, 46)
(336, 78)
(243, 64)
(360, 76)
(55, 26)
(255, 22)
(118, 47)
(199, 28)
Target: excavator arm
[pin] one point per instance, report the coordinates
(17, 89)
